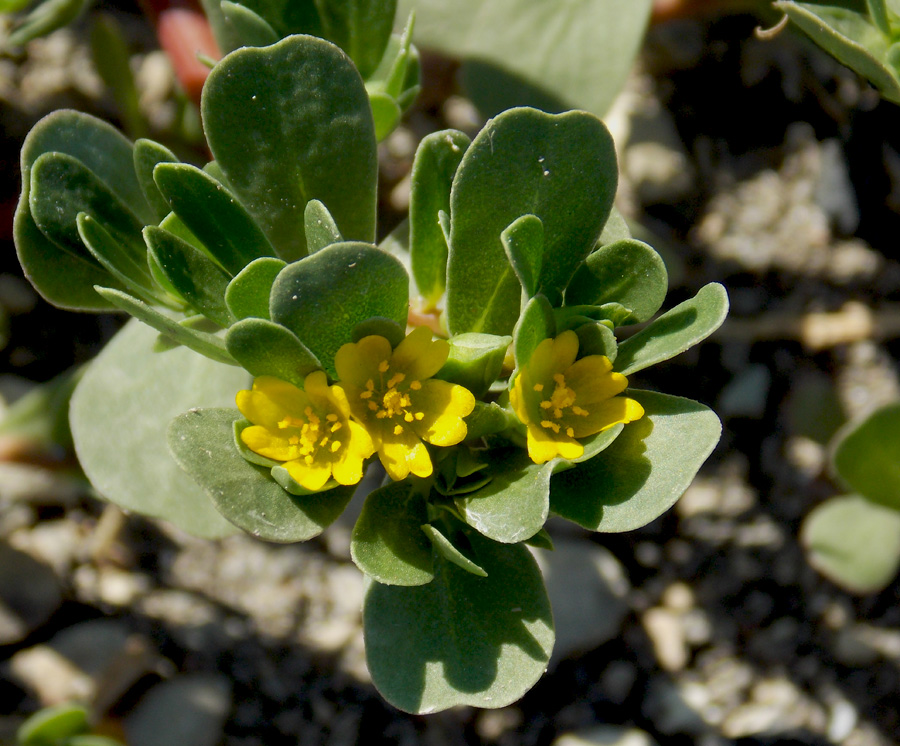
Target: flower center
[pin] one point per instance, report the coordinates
(389, 400)
(560, 403)
(313, 433)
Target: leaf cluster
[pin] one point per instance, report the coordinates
(263, 261)
(854, 539)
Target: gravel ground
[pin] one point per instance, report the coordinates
(762, 165)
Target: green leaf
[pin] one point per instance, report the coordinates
(616, 229)
(595, 338)
(361, 28)
(119, 414)
(206, 344)
(120, 263)
(523, 242)
(571, 55)
(879, 15)
(147, 155)
(435, 164)
(386, 114)
(475, 361)
(514, 505)
(465, 640)
(290, 123)
(265, 348)
(851, 38)
(675, 331)
(561, 169)
(323, 297)
(52, 724)
(444, 547)
(321, 230)
(213, 215)
(202, 442)
(386, 543)
(628, 272)
(853, 542)
(61, 278)
(867, 456)
(199, 280)
(488, 418)
(249, 27)
(390, 330)
(91, 740)
(45, 17)
(99, 146)
(246, 453)
(112, 59)
(247, 295)
(536, 324)
(61, 188)
(646, 469)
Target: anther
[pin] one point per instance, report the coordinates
(398, 429)
(538, 387)
(383, 366)
(415, 385)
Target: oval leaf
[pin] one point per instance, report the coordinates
(627, 272)
(387, 544)
(646, 469)
(435, 164)
(247, 295)
(213, 215)
(461, 639)
(265, 348)
(560, 168)
(290, 123)
(323, 297)
(853, 542)
(119, 415)
(202, 442)
(675, 331)
(199, 280)
(867, 456)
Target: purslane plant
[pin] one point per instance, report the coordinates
(274, 366)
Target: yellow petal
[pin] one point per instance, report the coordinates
(553, 356)
(312, 476)
(270, 400)
(419, 356)
(519, 399)
(544, 445)
(592, 381)
(402, 454)
(444, 405)
(604, 415)
(263, 441)
(357, 362)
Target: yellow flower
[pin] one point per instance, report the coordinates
(392, 393)
(309, 429)
(560, 399)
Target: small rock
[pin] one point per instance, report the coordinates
(34, 484)
(617, 681)
(664, 629)
(24, 606)
(588, 589)
(606, 735)
(747, 394)
(676, 706)
(188, 709)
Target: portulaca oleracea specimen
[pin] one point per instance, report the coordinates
(270, 366)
